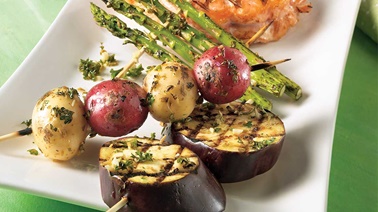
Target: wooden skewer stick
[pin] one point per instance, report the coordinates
(258, 34)
(26, 131)
(118, 205)
(236, 3)
(133, 61)
(121, 203)
(268, 64)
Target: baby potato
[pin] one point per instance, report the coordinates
(116, 107)
(59, 125)
(172, 91)
(222, 74)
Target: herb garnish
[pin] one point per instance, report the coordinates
(248, 124)
(133, 144)
(27, 122)
(142, 156)
(44, 104)
(261, 144)
(53, 128)
(150, 99)
(185, 162)
(63, 114)
(90, 69)
(153, 136)
(125, 164)
(33, 151)
(70, 93)
(132, 72)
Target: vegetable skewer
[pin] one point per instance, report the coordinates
(293, 90)
(139, 39)
(252, 95)
(186, 51)
(258, 34)
(120, 204)
(179, 26)
(26, 131)
(176, 24)
(134, 36)
(261, 78)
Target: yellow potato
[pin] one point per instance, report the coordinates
(59, 125)
(172, 91)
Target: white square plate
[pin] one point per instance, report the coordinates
(318, 47)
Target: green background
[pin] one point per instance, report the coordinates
(353, 184)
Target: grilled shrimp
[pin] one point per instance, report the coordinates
(243, 18)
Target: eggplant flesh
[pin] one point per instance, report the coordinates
(236, 141)
(156, 176)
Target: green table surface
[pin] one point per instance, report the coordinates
(353, 184)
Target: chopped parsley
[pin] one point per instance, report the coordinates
(153, 136)
(261, 144)
(71, 92)
(185, 162)
(33, 151)
(107, 59)
(142, 156)
(44, 104)
(125, 165)
(150, 99)
(248, 124)
(132, 72)
(27, 122)
(90, 69)
(133, 144)
(53, 128)
(63, 114)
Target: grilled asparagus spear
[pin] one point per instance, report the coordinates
(292, 89)
(181, 47)
(138, 38)
(261, 78)
(119, 29)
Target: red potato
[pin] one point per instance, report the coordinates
(115, 107)
(222, 74)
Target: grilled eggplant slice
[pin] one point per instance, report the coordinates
(236, 141)
(156, 176)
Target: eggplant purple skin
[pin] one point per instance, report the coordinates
(198, 191)
(230, 167)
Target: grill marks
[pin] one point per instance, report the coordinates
(234, 127)
(163, 167)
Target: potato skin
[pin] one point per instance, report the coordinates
(196, 192)
(116, 107)
(59, 138)
(222, 74)
(173, 91)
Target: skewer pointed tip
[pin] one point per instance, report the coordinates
(26, 131)
(118, 205)
(268, 64)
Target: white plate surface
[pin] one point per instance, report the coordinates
(318, 46)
